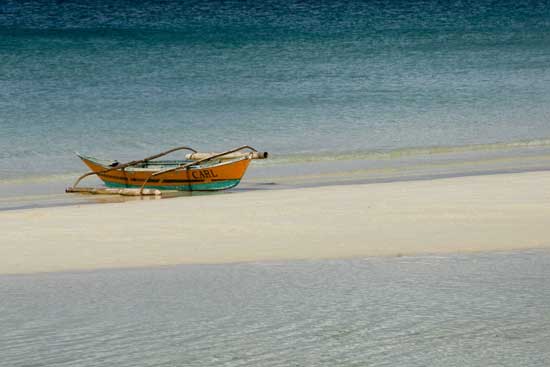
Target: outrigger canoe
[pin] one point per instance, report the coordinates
(198, 172)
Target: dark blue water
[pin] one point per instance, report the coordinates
(127, 78)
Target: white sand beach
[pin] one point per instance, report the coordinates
(477, 213)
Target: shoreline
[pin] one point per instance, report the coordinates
(419, 255)
(78, 199)
(446, 215)
(49, 193)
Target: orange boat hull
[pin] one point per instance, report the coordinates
(196, 178)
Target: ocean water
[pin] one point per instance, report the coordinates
(305, 80)
(461, 310)
(379, 90)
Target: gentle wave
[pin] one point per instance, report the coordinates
(405, 152)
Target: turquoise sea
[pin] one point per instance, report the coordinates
(308, 81)
(338, 92)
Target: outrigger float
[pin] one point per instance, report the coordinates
(148, 176)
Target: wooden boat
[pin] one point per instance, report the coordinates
(198, 172)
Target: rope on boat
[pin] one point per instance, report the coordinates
(128, 164)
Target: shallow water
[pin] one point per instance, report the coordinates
(459, 310)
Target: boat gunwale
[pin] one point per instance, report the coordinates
(104, 163)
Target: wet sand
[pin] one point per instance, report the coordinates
(463, 214)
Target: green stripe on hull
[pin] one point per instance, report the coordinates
(212, 186)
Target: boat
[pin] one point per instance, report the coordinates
(149, 176)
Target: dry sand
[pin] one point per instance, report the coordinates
(481, 213)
